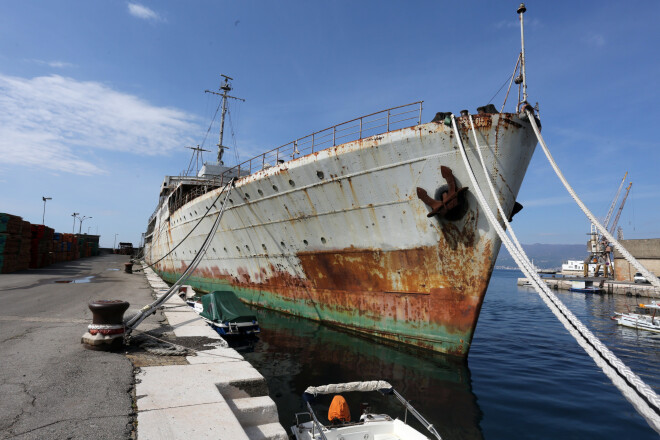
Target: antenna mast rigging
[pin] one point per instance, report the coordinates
(225, 87)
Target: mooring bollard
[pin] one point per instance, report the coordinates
(106, 332)
(128, 267)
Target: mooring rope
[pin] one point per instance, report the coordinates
(187, 235)
(638, 393)
(632, 260)
(151, 308)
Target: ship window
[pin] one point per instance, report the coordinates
(238, 249)
(323, 240)
(247, 196)
(275, 187)
(213, 249)
(292, 183)
(282, 243)
(320, 175)
(225, 249)
(264, 246)
(247, 247)
(306, 242)
(231, 201)
(195, 212)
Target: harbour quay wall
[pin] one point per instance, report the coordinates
(214, 394)
(609, 287)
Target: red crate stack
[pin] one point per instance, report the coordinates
(14, 247)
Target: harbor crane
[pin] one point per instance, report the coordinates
(600, 250)
(618, 214)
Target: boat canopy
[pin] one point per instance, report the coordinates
(224, 306)
(337, 388)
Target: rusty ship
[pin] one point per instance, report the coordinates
(367, 225)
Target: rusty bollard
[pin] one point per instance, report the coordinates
(128, 267)
(106, 332)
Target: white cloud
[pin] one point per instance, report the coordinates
(54, 122)
(55, 64)
(141, 11)
(515, 23)
(59, 64)
(594, 39)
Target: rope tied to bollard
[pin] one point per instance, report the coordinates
(149, 309)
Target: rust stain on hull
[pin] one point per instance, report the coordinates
(425, 296)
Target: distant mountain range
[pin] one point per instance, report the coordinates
(545, 256)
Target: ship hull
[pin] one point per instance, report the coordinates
(340, 236)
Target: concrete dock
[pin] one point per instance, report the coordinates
(216, 394)
(53, 387)
(609, 286)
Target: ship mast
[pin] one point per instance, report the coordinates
(225, 87)
(522, 78)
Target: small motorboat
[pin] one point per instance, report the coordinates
(586, 287)
(589, 289)
(369, 427)
(644, 320)
(223, 311)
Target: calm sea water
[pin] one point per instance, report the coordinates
(525, 377)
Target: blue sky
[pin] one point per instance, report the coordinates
(99, 98)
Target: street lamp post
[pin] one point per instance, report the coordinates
(73, 230)
(81, 220)
(43, 218)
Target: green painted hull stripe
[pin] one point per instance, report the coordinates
(431, 335)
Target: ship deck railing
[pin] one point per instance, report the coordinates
(373, 124)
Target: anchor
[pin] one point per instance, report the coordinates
(449, 198)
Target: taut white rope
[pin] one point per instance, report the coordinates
(632, 260)
(638, 393)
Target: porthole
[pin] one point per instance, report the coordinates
(231, 201)
(247, 196)
(225, 249)
(323, 240)
(292, 183)
(275, 187)
(320, 175)
(247, 247)
(264, 246)
(306, 242)
(238, 249)
(282, 243)
(213, 249)
(261, 193)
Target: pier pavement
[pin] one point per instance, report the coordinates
(52, 387)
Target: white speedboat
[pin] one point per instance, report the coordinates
(645, 320)
(369, 427)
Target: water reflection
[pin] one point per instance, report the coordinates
(82, 280)
(294, 353)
